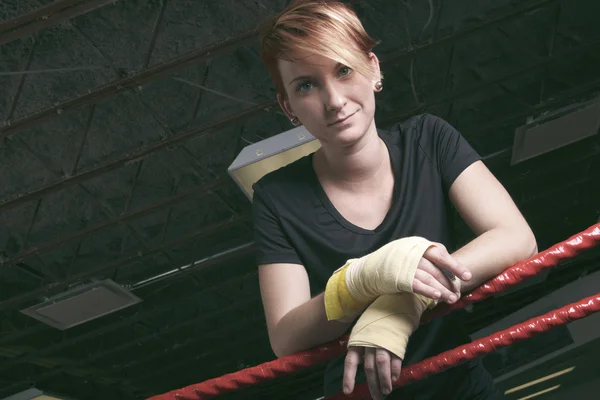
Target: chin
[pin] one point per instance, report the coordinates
(348, 136)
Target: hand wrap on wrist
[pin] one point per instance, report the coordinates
(388, 270)
(389, 322)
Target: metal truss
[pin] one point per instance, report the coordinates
(243, 303)
(127, 321)
(484, 85)
(219, 227)
(131, 82)
(204, 54)
(46, 17)
(134, 81)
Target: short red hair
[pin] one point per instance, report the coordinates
(323, 27)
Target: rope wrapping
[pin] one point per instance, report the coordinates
(524, 270)
(485, 345)
(520, 272)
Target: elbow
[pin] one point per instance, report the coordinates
(278, 346)
(280, 350)
(531, 246)
(526, 245)
(277, 350)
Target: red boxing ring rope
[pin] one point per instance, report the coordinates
(485, 345)
(520, 272)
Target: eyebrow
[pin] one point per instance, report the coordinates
(338, 65)
(298, 78)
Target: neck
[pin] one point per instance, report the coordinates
(355, 164)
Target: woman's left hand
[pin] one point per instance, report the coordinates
(381, 369)
(430, 279)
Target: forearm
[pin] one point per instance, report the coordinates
(305, 327)
(493, 252)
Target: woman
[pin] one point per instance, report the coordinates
(363, 189)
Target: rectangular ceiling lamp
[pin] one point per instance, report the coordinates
(260, 158)
(82, 304)
(556, 130)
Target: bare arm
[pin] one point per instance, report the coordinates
(294, 320)
(503, 236)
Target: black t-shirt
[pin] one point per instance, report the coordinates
(295, 222)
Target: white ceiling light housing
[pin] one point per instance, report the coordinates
(82, 304)
(260, 158)
(555, 130)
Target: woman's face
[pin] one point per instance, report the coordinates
(333, 102)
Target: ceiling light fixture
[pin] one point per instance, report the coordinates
(556, 129)
(260, 158)
(82, 304)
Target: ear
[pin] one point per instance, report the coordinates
(375, 67)
(285, 105)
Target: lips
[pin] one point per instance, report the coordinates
(340, 120)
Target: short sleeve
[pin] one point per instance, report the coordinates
(273, 245)
(446, 148)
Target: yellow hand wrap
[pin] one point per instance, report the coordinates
(389, 270)
(389, 322)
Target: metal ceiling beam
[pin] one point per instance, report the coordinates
(125, 323)
(34, 293)
(210, 52)
(95, 271)
(196, 192)
(248, 342)
(37, 14)
(131, 82)
(453, 38)
(126, 84)
(27, 26)
(216, 185)
(215, 348)
(493, 82)
(134, 156)
(163, 330)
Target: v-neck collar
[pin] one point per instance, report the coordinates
(394, 155)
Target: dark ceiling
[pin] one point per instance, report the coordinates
(118, 120)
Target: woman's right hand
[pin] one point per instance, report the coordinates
(430, 279)
(382, 368)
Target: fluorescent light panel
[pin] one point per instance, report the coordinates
(540, 380)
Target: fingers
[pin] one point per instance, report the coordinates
(432, 277)
(371, 373)
(384, 370)
(425, 290)
(350, 367)
(396, 367)
(439, 256)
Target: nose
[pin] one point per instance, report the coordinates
(333, 98)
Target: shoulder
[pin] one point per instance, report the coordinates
(286, 182)
(419, 127)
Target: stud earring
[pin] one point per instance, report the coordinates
(378, 86)
(294, 120)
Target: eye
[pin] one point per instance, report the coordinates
(303, 87)
(345, 71)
